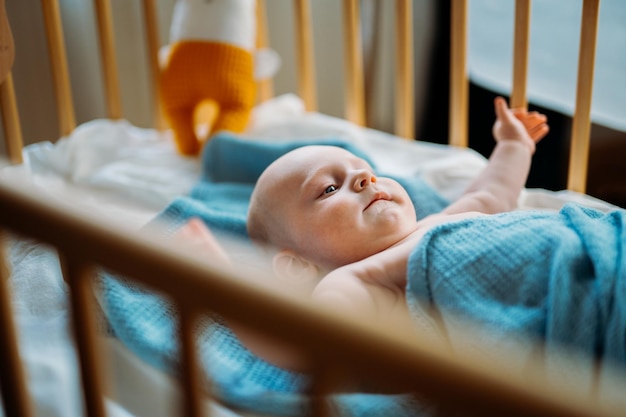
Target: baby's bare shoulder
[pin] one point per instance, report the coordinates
(361, 295)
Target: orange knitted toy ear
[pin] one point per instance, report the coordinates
(206, 71)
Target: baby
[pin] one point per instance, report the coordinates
(350, 232)
(347, 233)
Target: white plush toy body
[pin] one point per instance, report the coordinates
(228, 21)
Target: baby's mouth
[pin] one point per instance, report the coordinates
(377, 197)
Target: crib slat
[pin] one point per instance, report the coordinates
(11, 120)
(305, 54)
(58, 63)
(325, 382)
(520, 54)
(7, 44)
(265, 86)
(354, 78)
(108, 59)
(152, 44)
(581, 125)
(189, 363)
(15, 398)
(459, 84)
(79, 276)
(405, 91)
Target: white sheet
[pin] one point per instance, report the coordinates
(128, 174)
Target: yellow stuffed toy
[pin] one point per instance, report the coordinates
(210, 59)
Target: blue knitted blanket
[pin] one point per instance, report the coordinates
(146, 323)
(558, 277)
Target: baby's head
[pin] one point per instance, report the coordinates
(326, 205)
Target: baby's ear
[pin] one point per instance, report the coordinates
(293, 269)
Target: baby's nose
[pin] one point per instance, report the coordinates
(363, 180)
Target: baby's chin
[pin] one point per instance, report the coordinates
(390, 226)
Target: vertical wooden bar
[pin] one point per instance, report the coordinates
(153, 44)
(521, 42)
(581, 127)
(405, 90)
(190, 364)
(324, 381)
(265, 86)
(79, 276)
(11, 120)
(108, 59)
(7, 44)
(354, 78)
(58, 62)
(305, 54)
(459, 84)
(15, 398)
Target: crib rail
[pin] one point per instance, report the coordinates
(339, 347)
(350, 347)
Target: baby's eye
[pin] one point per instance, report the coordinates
(330, 189)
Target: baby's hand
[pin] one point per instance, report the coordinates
(519, 124)
(198, 237)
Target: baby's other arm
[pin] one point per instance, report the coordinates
(497, 187)
(197, 237)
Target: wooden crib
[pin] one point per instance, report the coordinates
(350, 350)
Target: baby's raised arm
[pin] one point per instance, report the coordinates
(497, 187)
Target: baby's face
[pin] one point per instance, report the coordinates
(334, 208)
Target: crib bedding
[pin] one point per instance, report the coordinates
(132, 175)
(565, 286)
(230, 166)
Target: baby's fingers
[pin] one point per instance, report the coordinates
(538, 132)
(534, 122)
(530, 119)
